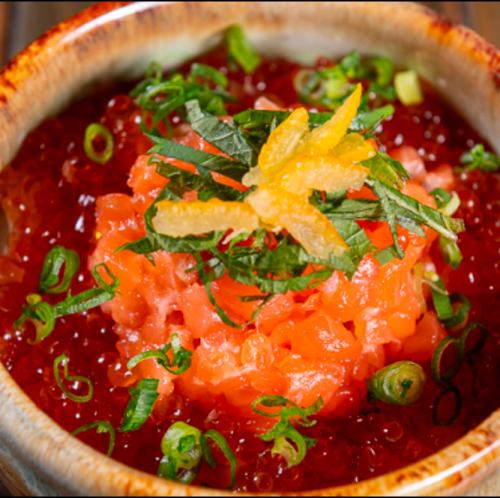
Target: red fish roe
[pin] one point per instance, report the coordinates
(49, 194)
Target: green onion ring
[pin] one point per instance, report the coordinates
(450, 388)
(41, 314)
(93, 131)
(437, 356)
(462, 340)
(461, 307)
(64, 361)
(57, 258)
(400, 383)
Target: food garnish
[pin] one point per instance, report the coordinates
(101, 427)
(288, 441)
(267, 265)
(183, 448)
(63, 361)
(400, 383)
(142, 399)
(479, 158)
(98, 132)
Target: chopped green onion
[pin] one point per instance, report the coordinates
(331, 85)
(180, 362)
(478, 158)
(161, 96)
(351, 65)
(288, 442)
(240, 50)
(288, 409)
(400, 383)
(223, 445)
(140, 405)
(437, 367)
(461, 307)
(102, 427)
(63, 360)
(92, 132)
(57, 258)
(437, 418)
(292, 446)
(384, 69)
(208, 73)
(90, 298)
(408, 88)
(466, 352)
(440, 297)
(182, 450)
(41, 314)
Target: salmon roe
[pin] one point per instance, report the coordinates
(49, 195)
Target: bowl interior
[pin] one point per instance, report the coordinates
(107, 43)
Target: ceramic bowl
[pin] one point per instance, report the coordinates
(114, 40)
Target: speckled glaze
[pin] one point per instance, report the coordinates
(116, 40)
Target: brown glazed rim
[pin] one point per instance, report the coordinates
(69, 466)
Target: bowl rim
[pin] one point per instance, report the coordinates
(473, 456)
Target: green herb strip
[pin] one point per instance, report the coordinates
(101, 426)
(140, 405)
(410, 208)
(57, 258)
(182, 181)
(92, 133)
(203, 161)
(253, 119)
(63, 360)
(390, 215)
(225, 137)
(386, 170)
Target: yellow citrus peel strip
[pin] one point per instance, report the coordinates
(180, 218)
